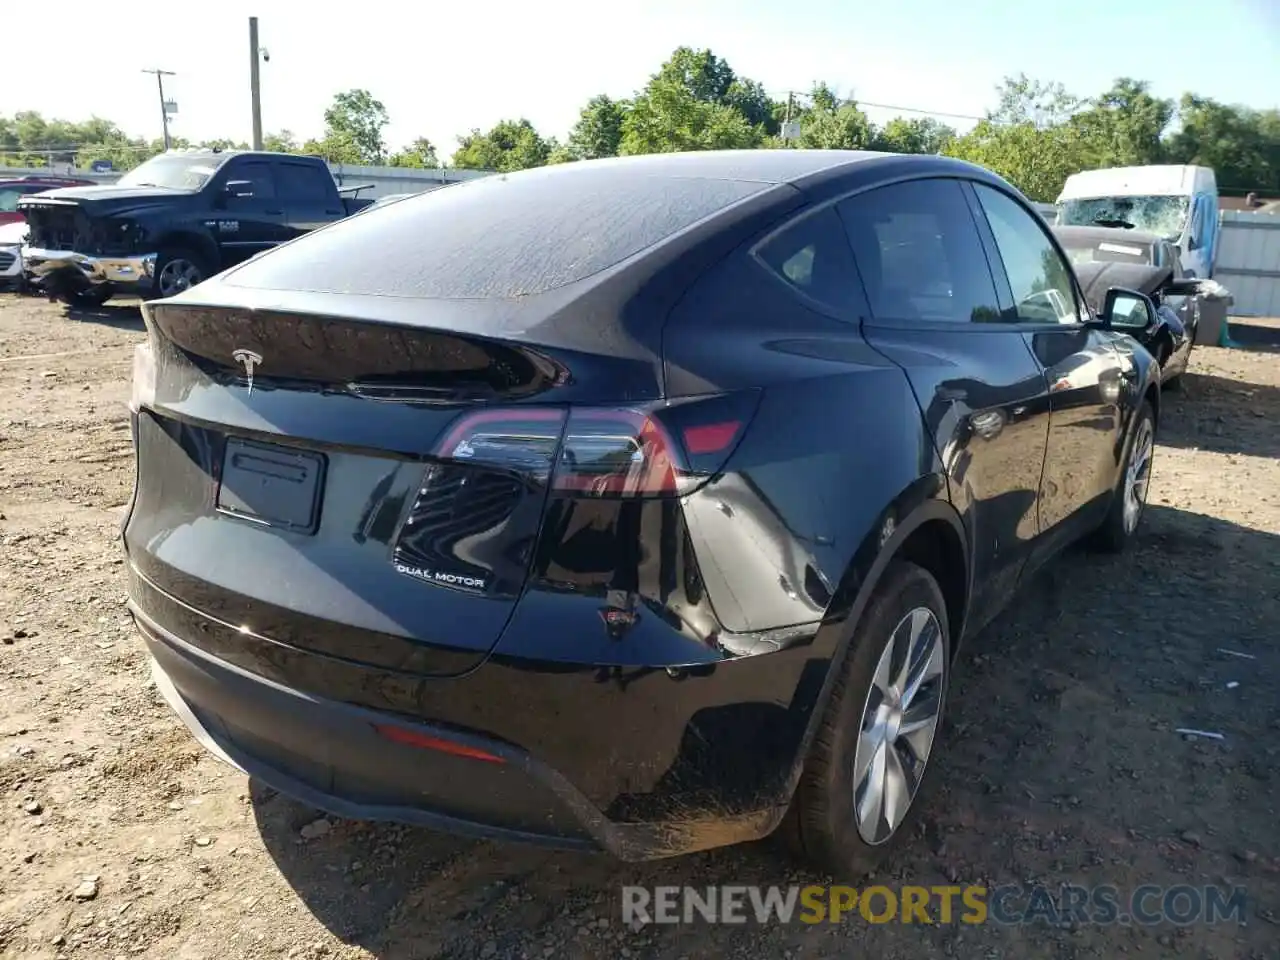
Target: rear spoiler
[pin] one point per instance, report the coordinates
(343, 191)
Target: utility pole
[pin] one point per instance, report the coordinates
(164, 106)
(790, 129)
(255, 89)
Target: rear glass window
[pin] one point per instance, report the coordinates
(813, 256)
(497, 236)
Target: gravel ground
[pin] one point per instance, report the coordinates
(119, 837)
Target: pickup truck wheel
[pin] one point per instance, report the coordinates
(862, 784)
(178, 269)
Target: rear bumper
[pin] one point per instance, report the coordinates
(81, 269)
(329, 754)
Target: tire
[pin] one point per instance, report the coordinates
(179, 268)
(823, 822)
(89, 299)
(1117, 530)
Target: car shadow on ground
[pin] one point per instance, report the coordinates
(122, 316)
(1062, 763)
(1223, 415)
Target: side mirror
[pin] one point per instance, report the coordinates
(1124, 309)
(238, 188)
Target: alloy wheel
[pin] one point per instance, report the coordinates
(899, 725)
(1138, 475)
(177, 275)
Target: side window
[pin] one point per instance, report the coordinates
(919, 253)
(1043, 291)
(305, 182)
(9, 197)
(813, 256)
(257, 173)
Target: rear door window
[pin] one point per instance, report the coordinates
(813, 257)
(304, 182)
(919, 253)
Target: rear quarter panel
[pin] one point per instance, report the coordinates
(837, 441)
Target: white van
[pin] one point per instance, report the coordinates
(1177, 203)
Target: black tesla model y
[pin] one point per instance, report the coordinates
(635, 504)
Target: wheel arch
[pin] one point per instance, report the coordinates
(920, 525)
(191, 240)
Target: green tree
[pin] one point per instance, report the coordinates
(833, 125)
(1028, 138)
(748, 97)
(696, 102)
(705, 76)
(355, 121)
(420, 153)
(283, 141)
(1242, 145)
(336, 147)
(1034, 159)
(1023, 100)
(598, 132)
(510, 145)
(562, 153)
(1125, 126)
(918, 135)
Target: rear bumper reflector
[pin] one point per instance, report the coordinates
(411, 738)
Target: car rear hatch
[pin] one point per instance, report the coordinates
(316, 480)
(346, 445)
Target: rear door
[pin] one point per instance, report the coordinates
(251, 220)
(1084, 371)
(310, 197)
(935, 311)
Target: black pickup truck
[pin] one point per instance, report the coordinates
(174, 221)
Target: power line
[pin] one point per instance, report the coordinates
(792, 94)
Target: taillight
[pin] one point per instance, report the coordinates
(523, 441)
(655, 450)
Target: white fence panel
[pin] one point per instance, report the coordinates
(1249, 262)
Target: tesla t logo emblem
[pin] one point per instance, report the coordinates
(247, 359)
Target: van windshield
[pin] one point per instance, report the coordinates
(1165, 216)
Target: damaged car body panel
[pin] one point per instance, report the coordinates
(1170, 337)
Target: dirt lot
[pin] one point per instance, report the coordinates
(1061, 758)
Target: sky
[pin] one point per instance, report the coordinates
(442, 70)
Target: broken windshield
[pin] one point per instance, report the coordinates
(1164, 216)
